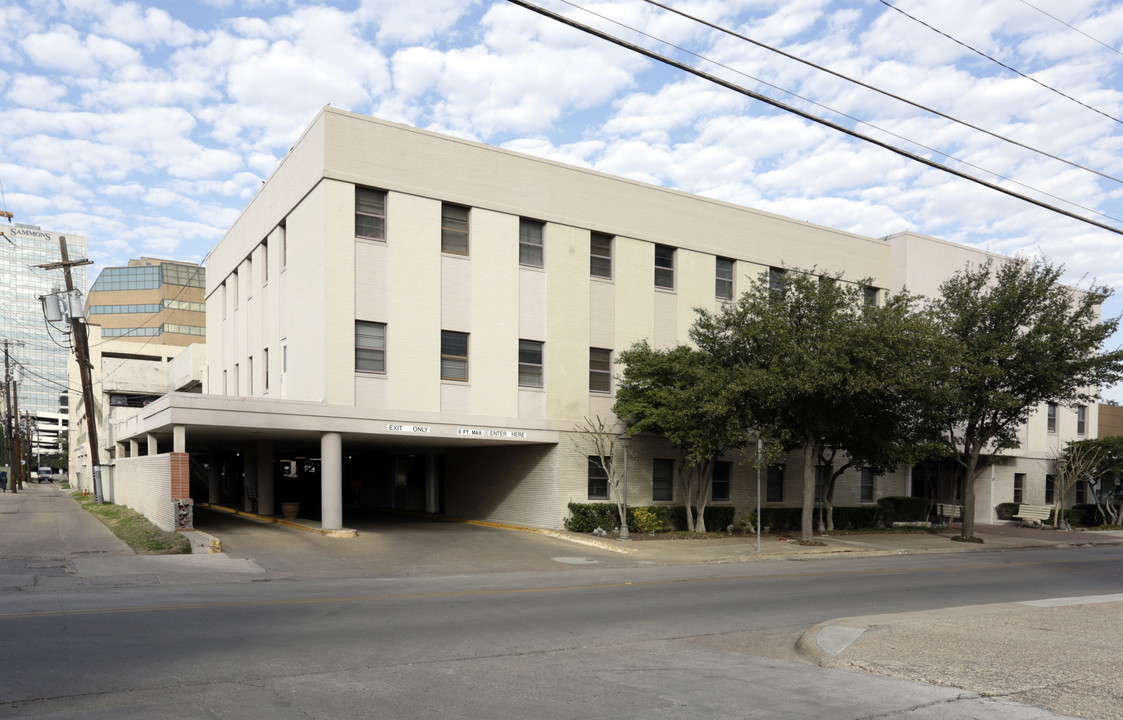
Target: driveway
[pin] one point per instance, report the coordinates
(392, 545)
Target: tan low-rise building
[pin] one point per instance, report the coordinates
(406, 319)
(150, 298)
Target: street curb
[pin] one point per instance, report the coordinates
(828, 640)
(202, 543)
(342, 533)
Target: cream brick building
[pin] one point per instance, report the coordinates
(406, 319)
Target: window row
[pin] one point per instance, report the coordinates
(370, 224)
(370, 354)
(1081, 419)
(662, 481)
(119, 309)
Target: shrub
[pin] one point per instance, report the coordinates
(903, 509)
(852, 518)
(1006, 510)
(643, 520)
(717, 517)
(780, 519)
(585, 517)
(1083, 515)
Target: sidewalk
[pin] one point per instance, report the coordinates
(48, 542)
(740, 548)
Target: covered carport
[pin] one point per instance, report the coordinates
(258, 453)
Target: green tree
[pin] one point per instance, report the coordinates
(824, 371)
(896, 353)
(1098, 463)
(1017, 339)
(683, 395)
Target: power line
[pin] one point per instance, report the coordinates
(807, 116)
(1062, 22)
(999, 62)
(886, 93)
(858, 120)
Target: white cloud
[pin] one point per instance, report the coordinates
(412, 22)
(36, 91)
(131, 23)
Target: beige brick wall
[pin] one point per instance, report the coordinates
(512, 484)
(144, 484)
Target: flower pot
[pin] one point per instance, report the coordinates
(290, 509)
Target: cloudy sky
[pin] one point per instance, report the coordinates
(147, 127)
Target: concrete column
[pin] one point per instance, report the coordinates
(134, 448)
(331, 481)
(264, 453)
(121, 449)
(153, 445)
(214, 478)
(432, 486)
(249, 466)
(179, 439)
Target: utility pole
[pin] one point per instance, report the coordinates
(8, 419)
(17, 448)
(82, 351)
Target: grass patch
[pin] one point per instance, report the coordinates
(137, 531)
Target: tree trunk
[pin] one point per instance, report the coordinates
(807, 520)
(688, 490)
(831, 477)
(967, 522)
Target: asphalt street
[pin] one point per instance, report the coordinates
(539, 628)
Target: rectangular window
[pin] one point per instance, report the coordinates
(719, 488)
(370, 213)
(870, 295)
(600, 370)
(370, 347)
(237, 376)
(723, 279)
(1081, 419)
(284, 245)
(454, 229)
(1019, 487)
(662, 479)
(664, 267)
(1050, 489)
(530, 363)
(598, 479)
(600, 255)
(1081, 490)
(284, 358)
(454, 355)
(249, 377)
(264, 262)
(775, 281)
(867, 486)
(775, 488)
(265, 370)
(530, 242)
(820, 482)
(1051, 419)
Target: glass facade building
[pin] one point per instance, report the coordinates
(40, 350)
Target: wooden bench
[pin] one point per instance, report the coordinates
(1040, 513)
(952, 512)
